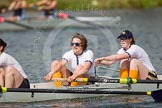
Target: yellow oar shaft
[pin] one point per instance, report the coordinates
(76, 80)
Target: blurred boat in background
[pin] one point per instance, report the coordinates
(34, 23)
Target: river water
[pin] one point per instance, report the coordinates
(35, 49)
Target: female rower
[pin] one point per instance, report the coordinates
(49, 8)
(80, 58)
(18, 7)
(134, 61)
(11, 73)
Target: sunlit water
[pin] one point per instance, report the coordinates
(35, 49)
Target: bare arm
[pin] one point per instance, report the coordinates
(108, 60)
(19, 5)
(23, 5)
(51, 6)
(40, 3)
(11, 7)
(83, 70)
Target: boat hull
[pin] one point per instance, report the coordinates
(35, 96)
(55, 23)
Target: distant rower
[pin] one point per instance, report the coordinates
(18, 7)
(48, 7)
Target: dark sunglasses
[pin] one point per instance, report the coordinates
(75, 44)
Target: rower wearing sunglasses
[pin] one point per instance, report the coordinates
(81, 60)
(134, 61)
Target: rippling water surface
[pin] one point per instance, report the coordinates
(35, 49)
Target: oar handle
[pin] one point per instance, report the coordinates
(3, 89)
(110, 80)
(76, 80)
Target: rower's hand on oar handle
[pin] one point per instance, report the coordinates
(62, 15)
(76, 80)
(60, 79)
(97, 61)
(70, 79)
(81, 80)
(48, 77)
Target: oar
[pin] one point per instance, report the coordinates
(2, 19)
(123, 80)
(108, 68)
(111, 80)
(78, 19)
(86, 19)
(76, 80)
(156, 95)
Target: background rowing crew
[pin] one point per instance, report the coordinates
(48, 7)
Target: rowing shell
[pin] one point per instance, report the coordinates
(50, 24)
(47, 91)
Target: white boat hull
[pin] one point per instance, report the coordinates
(33, 97)
(53, 23)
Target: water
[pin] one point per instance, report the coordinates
(35, 49)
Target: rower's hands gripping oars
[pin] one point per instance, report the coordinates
(105, 80)
(97, 61)
(85, 80)
(48, 77)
